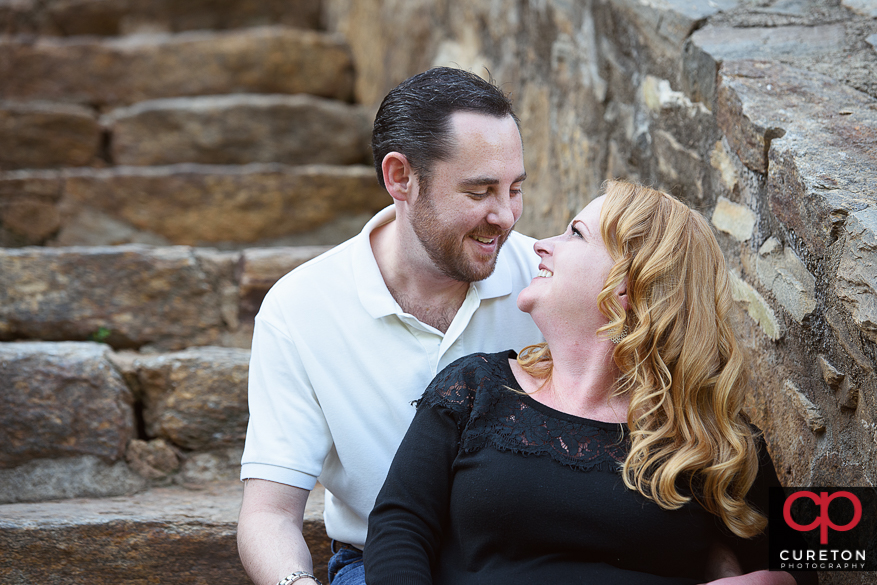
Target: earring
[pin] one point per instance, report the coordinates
(617, 339)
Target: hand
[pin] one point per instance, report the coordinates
(757, 578)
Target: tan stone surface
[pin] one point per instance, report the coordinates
(240, 129)
(151, 459)
(196, 204)
(29, 211)
(127, 296)
(130, 69)
(40, 135)
(61, 400)
(197, 398)
(267, 205)
(165, 535)
(111, 17)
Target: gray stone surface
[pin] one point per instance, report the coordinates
(240, 129)
(127, 296)
(61, 400)
(733, 43)
(863, 7)
(39, 135)
(816, 136)
(140, 67)
(85, 476)
(856, 284)
(781, 271)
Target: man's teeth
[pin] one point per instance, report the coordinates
(483, 240)
(544, 273)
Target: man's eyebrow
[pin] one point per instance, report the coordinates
(485, 181)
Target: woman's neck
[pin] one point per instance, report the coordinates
(582, 383)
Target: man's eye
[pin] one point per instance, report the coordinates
(473, 194)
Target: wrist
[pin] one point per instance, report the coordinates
(301, 577)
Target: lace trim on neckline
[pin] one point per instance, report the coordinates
(481, 390)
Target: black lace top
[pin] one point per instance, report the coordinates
(491, 486)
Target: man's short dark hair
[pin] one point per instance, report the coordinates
(415, 117)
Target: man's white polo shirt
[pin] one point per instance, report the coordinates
(336, 364)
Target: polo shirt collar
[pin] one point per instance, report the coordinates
(373, 292)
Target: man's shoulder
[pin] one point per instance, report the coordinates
(309, 282)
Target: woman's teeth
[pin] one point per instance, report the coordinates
(544, 273)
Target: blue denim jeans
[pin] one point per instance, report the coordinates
(345, 567)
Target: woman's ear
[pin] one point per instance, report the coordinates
(621, 291)
(398, 177)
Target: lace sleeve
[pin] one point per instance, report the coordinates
(455, 387)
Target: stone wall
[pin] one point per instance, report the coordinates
(761, 115)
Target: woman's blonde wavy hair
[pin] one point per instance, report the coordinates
(680, 362)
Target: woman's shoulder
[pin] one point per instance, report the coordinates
(457, 385)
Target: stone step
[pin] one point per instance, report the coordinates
(45, 134)
(118, 71)
(165, 535)
(135, 296)
(81, 420)
(186, 204)
(114, 17)
(239, 129)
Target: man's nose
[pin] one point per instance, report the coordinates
(505, 213)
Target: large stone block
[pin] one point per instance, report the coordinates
(165, 535)
(127, 296)
(85, 476)
(856, 283)
(29, 212)
(781, 271)
(40, 135)
(197, 398)
(239, 129)
(812, 136)
(195, 204)
(142, 67)
(113, 17)
(61, 400)
(186, 204)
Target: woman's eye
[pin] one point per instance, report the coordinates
(575, 231)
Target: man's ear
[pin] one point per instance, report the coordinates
(398, 176)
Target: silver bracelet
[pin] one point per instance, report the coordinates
(292, 578)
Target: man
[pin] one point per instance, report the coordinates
(346, 342)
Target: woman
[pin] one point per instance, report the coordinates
(619, 455)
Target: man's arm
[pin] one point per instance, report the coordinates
(270, 539)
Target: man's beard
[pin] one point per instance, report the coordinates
(446, 250)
